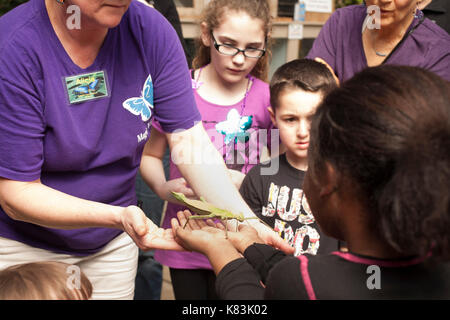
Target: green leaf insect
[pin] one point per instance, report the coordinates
(205, 210)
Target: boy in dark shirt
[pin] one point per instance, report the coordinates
(296, 89)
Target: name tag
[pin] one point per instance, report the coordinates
(84, 87)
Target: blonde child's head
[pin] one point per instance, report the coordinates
(47, 280)
(214, 16)
(296, 89)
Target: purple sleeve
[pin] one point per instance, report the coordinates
(324, 46)
(438, 59)
(157, 126)
(22, 123)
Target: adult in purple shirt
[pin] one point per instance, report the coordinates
(352, 40)
(79, 87)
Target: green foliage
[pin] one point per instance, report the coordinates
(343, 3)
(7, 5)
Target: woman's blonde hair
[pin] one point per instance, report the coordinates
(47, 280)
(213, 15)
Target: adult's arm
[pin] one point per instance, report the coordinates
(34, 202)
(204, 169)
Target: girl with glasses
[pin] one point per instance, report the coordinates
(228, 83)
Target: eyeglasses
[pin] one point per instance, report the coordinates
(230, 50)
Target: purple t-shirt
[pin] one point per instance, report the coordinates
(340, 45)
(214, 118)
(84, 135)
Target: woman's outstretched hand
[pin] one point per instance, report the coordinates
(145, 233)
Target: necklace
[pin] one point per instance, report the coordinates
(418, 15)
(235, 127)
(380, 54)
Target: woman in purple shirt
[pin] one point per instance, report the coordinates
(80, 83)
(382, 32)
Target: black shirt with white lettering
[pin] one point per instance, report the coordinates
(334, 276)
(278, 199)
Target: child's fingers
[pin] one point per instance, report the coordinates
(177, 226)
(245, 227)
(174, 223)
(183, 217)
(194, 224)
(217, 225)
(220, 225)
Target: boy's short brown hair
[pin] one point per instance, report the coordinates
(304, 74)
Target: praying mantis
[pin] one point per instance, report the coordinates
(205, 210)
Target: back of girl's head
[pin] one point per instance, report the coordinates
(305, 74)
(387, 130)
(46, 280)
(213, 15)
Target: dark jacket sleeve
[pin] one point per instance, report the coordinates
(262, 258)
(278, 271)
(239, 281)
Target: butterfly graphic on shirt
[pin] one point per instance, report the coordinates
(142, 105)
(92, 87)
(240, 140)
(235, 127)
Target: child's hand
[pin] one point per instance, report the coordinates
(209, 240)
(176, 185)
(245, 237)
(197, 235)
(273, 239)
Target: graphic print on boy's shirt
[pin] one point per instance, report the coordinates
(278, 199)
(295, 223)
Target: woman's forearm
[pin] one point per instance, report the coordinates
(203, 167)
(36, 203)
